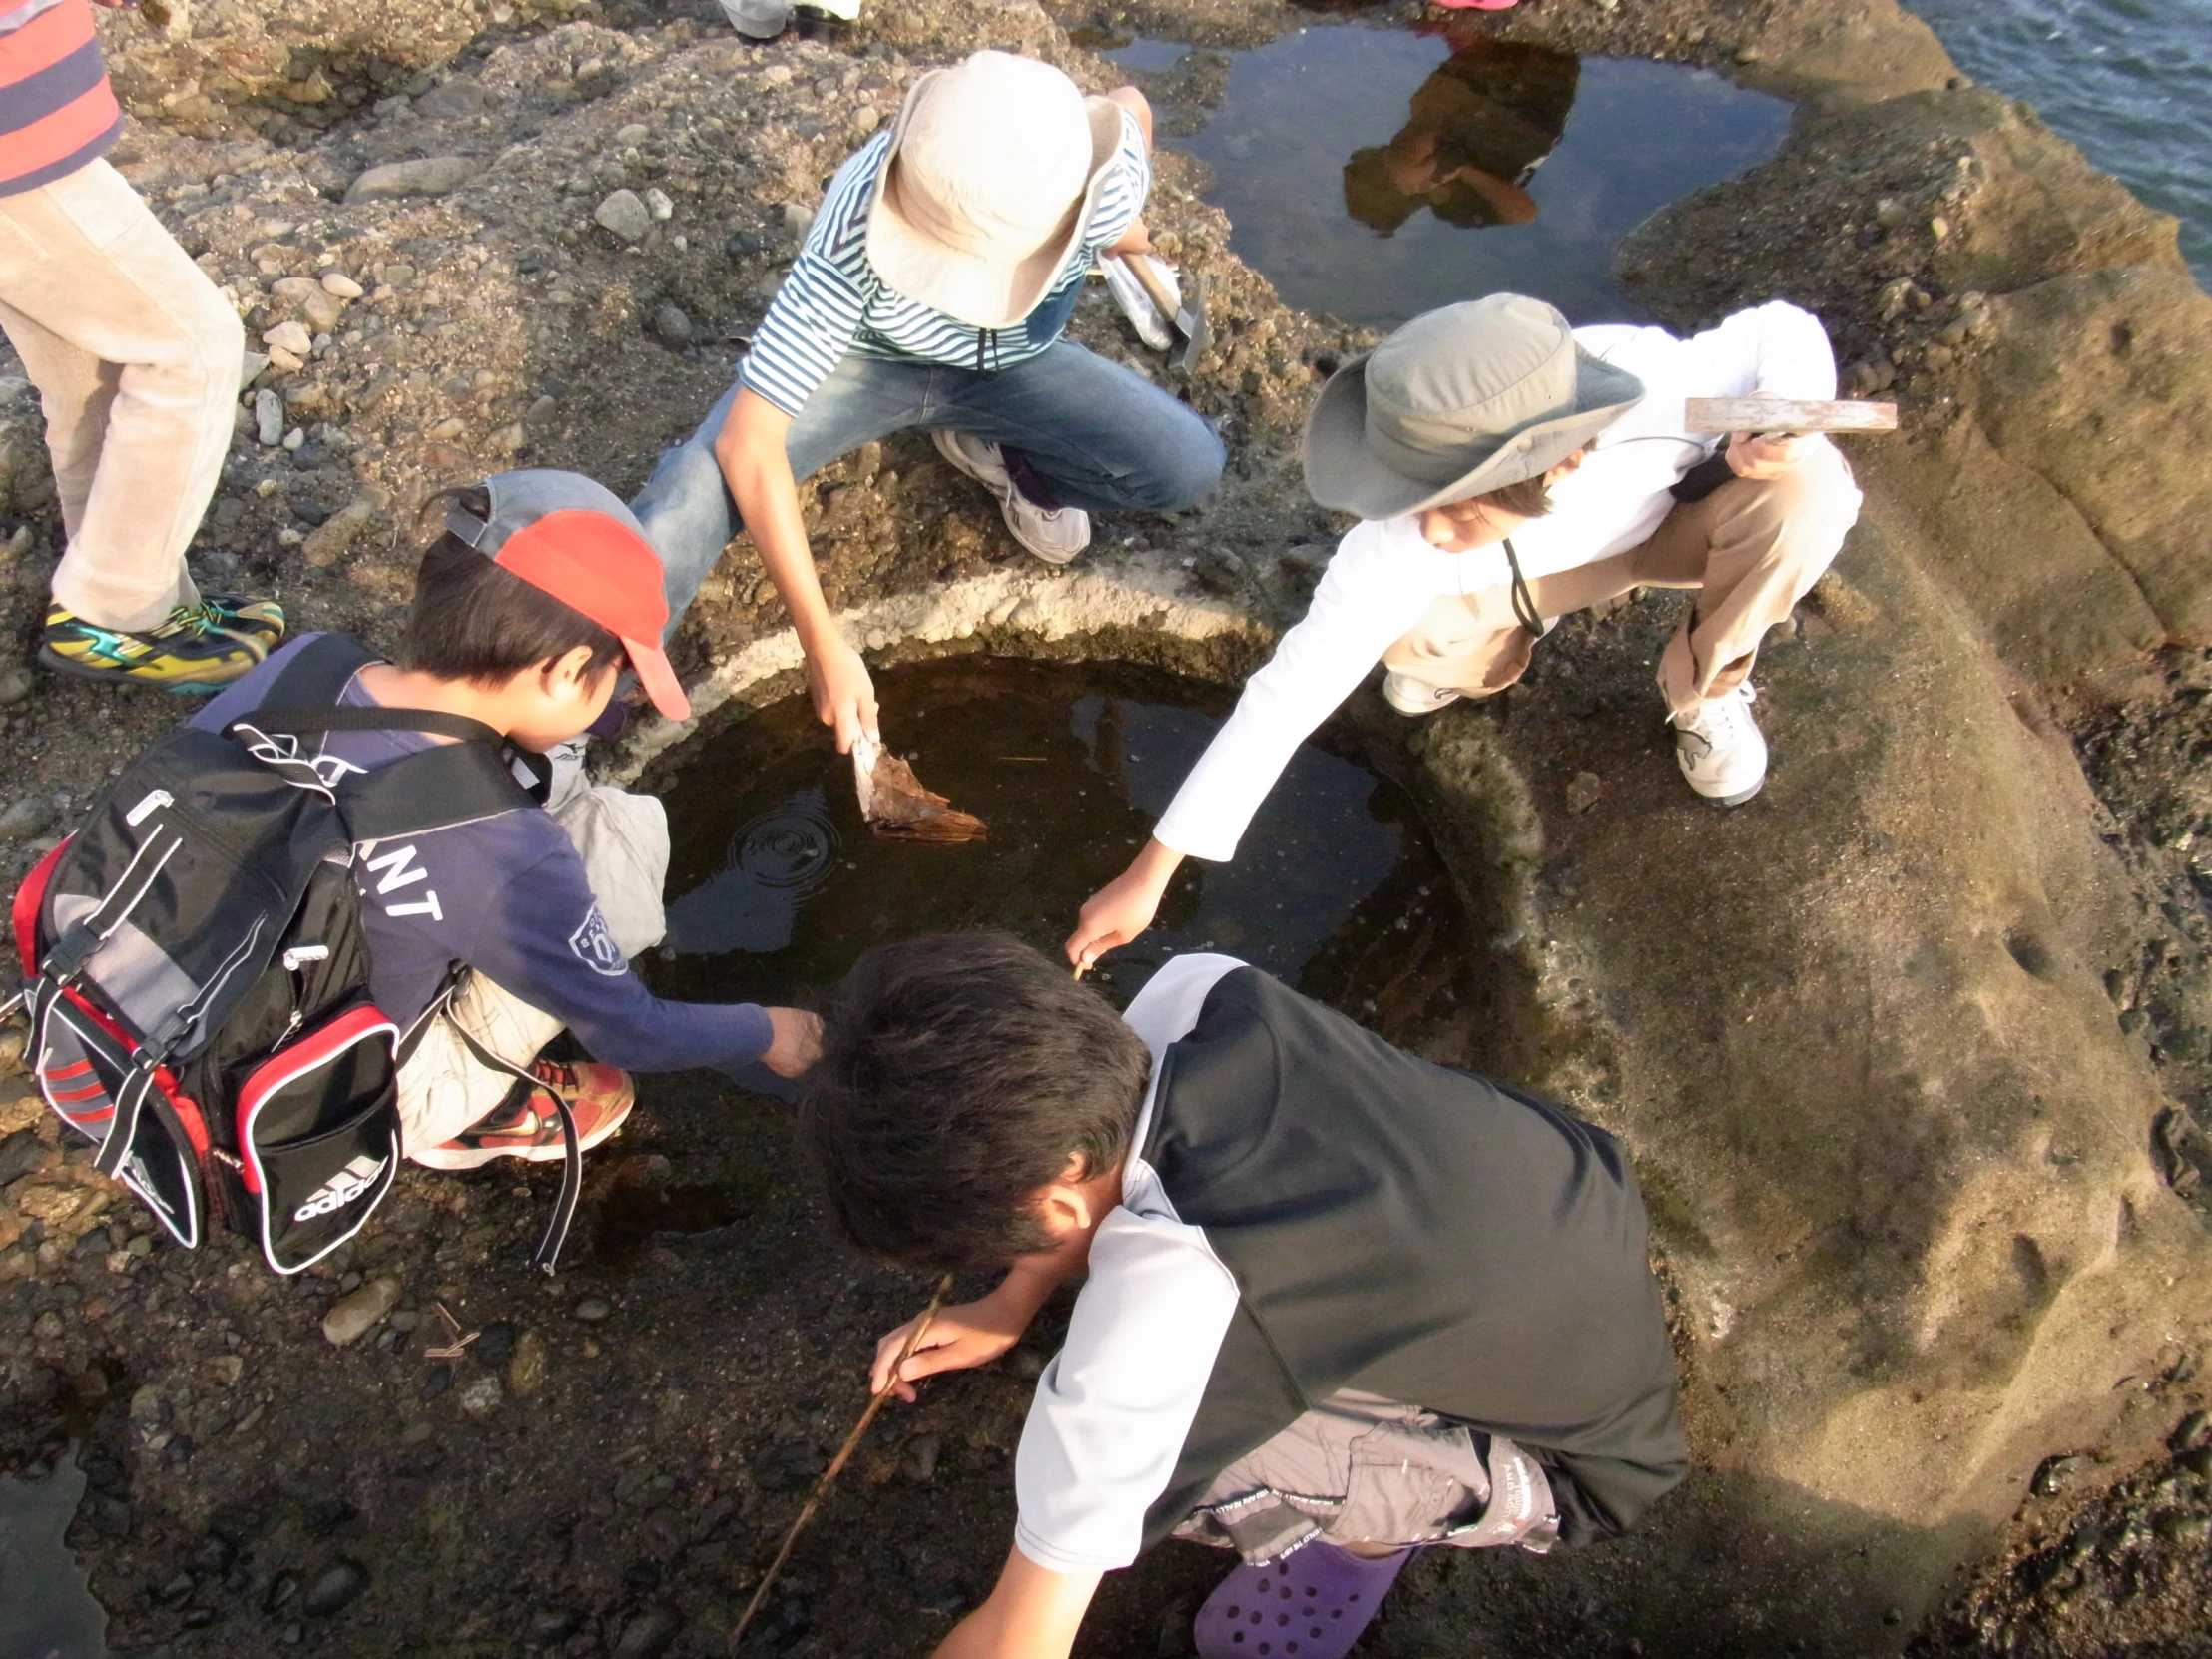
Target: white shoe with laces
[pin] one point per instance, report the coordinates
(1055, 534)
(1720, 748)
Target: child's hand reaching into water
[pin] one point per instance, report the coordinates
(797, 1044)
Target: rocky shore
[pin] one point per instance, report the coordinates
(1912, 1054)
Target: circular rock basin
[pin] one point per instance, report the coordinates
(777, 886)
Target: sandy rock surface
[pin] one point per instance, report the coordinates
(1908, 1051)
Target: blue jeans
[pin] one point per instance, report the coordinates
(1103, 439)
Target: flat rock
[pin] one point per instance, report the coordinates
(626, 215)
(269, 419)
(2096, 386)
(791, 1465)
(480, 1395)
(22, 1153)
(334, 537)
(352, 1317)
(26, 818)
(289, 336)
(312, 300)
(453, 101)
(335, 1591)
(429, 175)
(647, 1634)
(526, 1372)
(670, 326)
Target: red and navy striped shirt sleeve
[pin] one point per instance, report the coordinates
(57, 111)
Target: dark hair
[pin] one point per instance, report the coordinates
(1530, 498)
(472, 621)
(958, 1075)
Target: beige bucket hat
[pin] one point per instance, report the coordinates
(994, 167)
(1458, 402)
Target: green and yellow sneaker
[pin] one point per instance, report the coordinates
(199, 649)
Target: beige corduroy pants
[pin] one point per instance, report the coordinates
(136, 357)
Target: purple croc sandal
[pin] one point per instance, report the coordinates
(1311, 1604)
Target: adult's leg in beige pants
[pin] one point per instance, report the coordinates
(136, 357)
(443, 1087)
(1752, 548)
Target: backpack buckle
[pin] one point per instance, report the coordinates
(76, 946)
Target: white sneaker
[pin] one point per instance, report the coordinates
(1410, 695)
(1720, 748)
(1055, 536)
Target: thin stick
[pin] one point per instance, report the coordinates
(837, 1464)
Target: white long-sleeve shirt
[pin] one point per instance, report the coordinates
(1386, 575)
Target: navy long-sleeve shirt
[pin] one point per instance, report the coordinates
(507, 896)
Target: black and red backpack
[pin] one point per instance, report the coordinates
(196, 977)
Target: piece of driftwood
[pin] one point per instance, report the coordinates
(895, 804)
(837, 1464)
(1785, 414)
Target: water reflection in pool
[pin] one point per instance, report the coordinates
(1374, 174)
(46, 1611)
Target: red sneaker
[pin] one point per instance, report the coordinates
(599, 1097)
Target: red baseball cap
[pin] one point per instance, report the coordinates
(574, 539)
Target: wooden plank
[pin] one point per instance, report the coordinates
(1781, 414)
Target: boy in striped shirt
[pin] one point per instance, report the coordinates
(932, 293)
(136, 357)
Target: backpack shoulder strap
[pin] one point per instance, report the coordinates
(434, 789)
(304, 698)
(444, 784)
(318, 673)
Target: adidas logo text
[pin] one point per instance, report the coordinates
(342, 1188)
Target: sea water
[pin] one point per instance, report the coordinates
(2128, 81)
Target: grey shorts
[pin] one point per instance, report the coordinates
(1361, 1470)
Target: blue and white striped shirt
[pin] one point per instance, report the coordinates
(834, 301)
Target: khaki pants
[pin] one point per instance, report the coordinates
(1362, 1469)
(136, 358)
(623, 839)
(1752, 549)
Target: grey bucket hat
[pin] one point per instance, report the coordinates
(1458, 402)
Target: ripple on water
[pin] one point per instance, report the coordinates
(774, 859)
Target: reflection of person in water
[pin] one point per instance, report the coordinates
(1481, 126)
